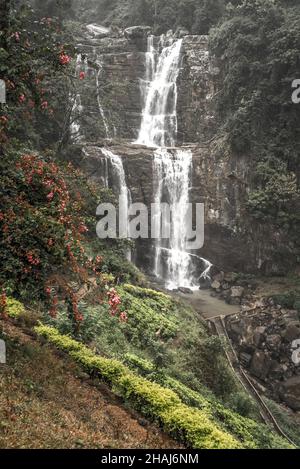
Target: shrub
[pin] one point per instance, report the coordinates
(189, 425)
(14, 308)
(250, 433)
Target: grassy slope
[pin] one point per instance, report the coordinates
(155, 321)
(45, 404)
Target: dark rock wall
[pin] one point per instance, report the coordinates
(197, 87)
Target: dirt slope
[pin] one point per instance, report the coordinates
(47, 402)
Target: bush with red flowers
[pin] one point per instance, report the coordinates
(43, 229)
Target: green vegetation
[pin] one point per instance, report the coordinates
(257, 45)
(14, 308)
(160, 329)
(246, 430)
(289, 300)
(287, 421)
(191, 425)
(196, 15)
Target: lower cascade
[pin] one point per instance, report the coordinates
(172, 175)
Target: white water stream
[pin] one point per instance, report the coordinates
(120, 185)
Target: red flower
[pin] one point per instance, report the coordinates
(22, 98)
(82, 75)
(3, 305)
(44, 105)
(64, 59)
(50, 242)
(32, 259)
(114, 301)
(16, 35)
(50, 196)
(82, 228)
(123, 317)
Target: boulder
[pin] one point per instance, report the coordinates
(292, 331)
(290, 392)
(182, 32)
(97, 31)
(234, 301)
(185, 291)
(273, 341)
(260, 364)
(215, 285)
(219, 277)
(137, 32)
(205, 283)
(259, 335)
(237, 292)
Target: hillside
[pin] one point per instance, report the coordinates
(48, 402)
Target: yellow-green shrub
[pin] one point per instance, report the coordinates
(14, 308)
(192, 426)
(249, 432)
(145, 292)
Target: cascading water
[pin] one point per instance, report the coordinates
(159, 120)
(101, 110)
(172, 169)
(172, 179)
(119, 184)
(77, 106)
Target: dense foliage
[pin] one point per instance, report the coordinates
(35, 54)
(257, 45)
(195, 15)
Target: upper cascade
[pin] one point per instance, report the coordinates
(159, 91)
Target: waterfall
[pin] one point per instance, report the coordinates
(172, 176)
(172, 170)
(101, 110)
(77, 108)
(119, 183)
(159, 90)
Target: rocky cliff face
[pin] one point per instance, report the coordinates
(119, 62)
(266, 337)
(111, 105)
(197, 83)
